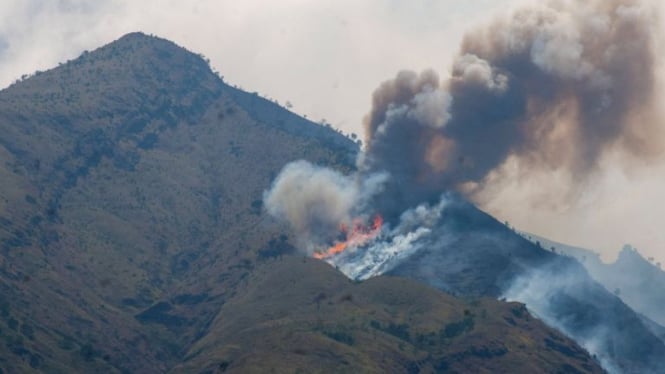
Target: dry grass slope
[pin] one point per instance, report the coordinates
(319, 321)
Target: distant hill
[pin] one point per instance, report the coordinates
(133, 239)
(638, 281)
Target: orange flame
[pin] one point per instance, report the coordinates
(358, 235)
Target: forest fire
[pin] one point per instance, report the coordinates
(358, 234)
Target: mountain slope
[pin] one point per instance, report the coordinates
(473, 254)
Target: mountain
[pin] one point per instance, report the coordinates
(130, 202)
(133, 239)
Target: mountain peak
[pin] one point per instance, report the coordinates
(134, 57)
(136, 71)
(139, 36)
(139, 43)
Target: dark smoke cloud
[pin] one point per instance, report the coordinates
(556, 86)
(553, 87)
(406, 121)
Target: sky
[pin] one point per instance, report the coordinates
(326, 57)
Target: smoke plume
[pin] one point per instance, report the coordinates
(315, 201)
(381, 255)
(554, 87)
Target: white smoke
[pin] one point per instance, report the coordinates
(393, 246)
(541, 289)
(316, 200)
(473, 70)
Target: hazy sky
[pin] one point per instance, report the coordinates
(326, 58)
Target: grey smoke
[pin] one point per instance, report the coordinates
(541, 290)
(549, 291)
(556, 86)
